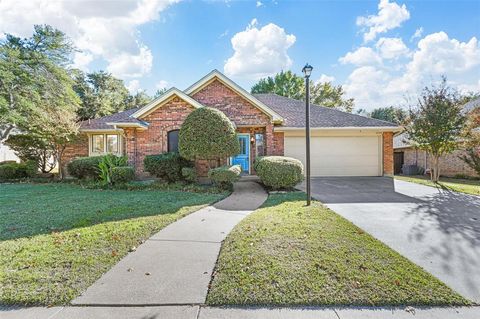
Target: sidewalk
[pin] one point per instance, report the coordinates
(201, 312)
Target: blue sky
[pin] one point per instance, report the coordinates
(369, 47)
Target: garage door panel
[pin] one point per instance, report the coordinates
(338, 156)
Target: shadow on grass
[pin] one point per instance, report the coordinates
(32, 209)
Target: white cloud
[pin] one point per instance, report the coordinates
(325, 78)
(162, 84)
(100, 29)
(390, 15)
(259, 52)
(127, 65)
(223, 34)
(391, 48)
(418, 34)
(133, 86)
(81, 60)
(259, 4)
(436, 55)
(361, 56)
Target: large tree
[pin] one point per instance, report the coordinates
(435, 123)
(390, 114)
(101, 94)
(471, 140)
(37, 94)
(288, 84)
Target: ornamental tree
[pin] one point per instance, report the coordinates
(207, 134)
(436, 124)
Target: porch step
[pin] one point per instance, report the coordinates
(249, 178)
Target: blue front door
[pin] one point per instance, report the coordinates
(243, 158)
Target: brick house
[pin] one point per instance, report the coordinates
(343, 144)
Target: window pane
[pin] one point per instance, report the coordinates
(243, 146)
(112, 143)
(173, 141)
(98, 145)
(259, 145)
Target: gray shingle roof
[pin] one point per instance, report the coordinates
(101, 123)
(401, 141)
(468, 107)
(293, 112)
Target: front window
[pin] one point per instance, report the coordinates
(112, 143)
(105, 143)
(172, 137)
(98, 143)
(259, 144)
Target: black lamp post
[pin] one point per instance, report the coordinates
(307, 70)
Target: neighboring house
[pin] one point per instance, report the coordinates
(450, 164)
(343, 144)
(7, 154)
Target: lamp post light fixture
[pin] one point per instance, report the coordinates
(307, 70)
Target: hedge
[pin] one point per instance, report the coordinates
(167, 166)
(85, 167)
(225, 176)
(122, 174)
(18, 170)
(189, 174)
(207, 133)
(278, 172)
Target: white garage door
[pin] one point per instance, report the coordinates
(338, 156)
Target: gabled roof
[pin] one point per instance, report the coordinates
(293, 112)
(158, 102)
(468, 107)
(215, 74)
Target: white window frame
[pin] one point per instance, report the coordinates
(119, 144)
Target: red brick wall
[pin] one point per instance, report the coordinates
(153, 140)
(74, 150)
(387, 153)
(278, 144)
(450, 164)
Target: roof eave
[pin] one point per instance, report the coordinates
(345, 128)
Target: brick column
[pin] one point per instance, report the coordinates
(269, 140)
(387, 138)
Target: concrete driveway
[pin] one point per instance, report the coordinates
(437, 229)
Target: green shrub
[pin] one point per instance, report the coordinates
(18, 170)
(279, 172)
(7, 162)
(189, 174)
(107, 164)
(122, 174)
(85, 167)
(167, 166)
(207, 133)
(225, 176)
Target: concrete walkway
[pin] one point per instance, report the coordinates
(435, 228)
(175, 265)
(201, 312)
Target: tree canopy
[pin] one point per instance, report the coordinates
(436, 122)
(288, 84)
(390, 114)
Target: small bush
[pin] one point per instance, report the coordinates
(107, 164)
(189, 174)
(85, 167)
(7, 162)
(225, 176)
(167, 166)
(279, 172)
(18, 170)
(122, 174)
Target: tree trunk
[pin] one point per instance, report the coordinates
(60, 150)
(435, 171)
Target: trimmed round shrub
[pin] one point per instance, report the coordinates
(85, 167)
(122, 174)
(167, 166)
(189, 174)
(207, 133)
(18, 170)
(279, 172)
(225, 176)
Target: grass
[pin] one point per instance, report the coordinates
(288, 254)
(467, 186)
(57, 239)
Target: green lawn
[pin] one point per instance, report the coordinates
(468, 186)
(57, 239)
(287, 254)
